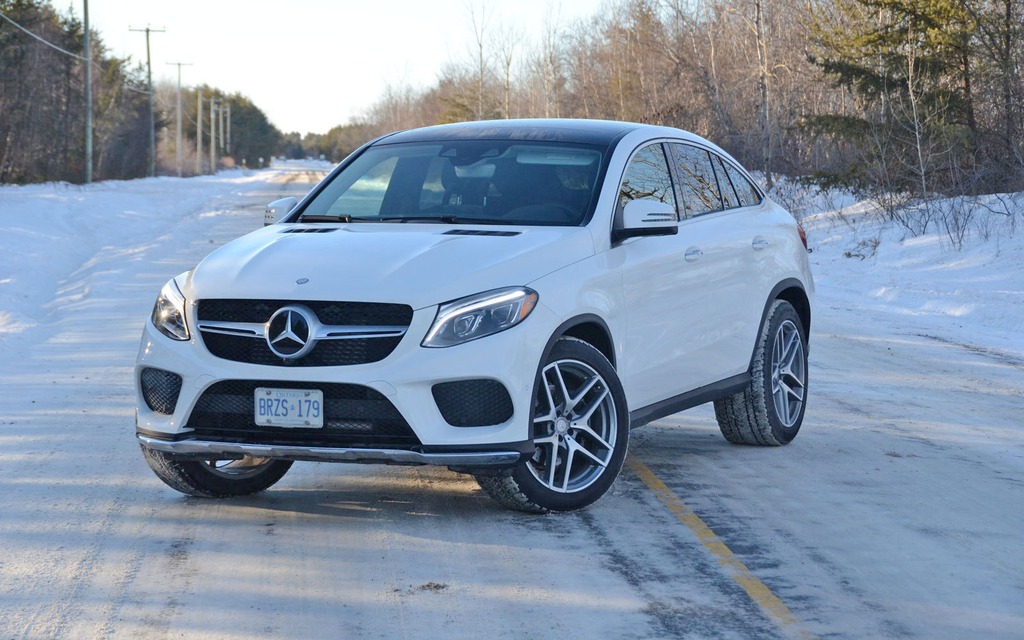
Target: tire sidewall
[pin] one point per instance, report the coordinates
(220, 486)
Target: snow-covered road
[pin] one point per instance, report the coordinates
(897, 512)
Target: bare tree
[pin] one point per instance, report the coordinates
(509, 39)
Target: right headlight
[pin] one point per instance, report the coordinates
(480, 315)
(169, 312)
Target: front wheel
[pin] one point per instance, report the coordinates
(770, 410)
(216, 478)
(580, 431)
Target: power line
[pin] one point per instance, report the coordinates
(47, 43)
(66, 52)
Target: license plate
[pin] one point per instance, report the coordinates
(303, 408)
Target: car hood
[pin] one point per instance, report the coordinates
(416, 264)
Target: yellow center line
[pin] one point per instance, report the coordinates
(770, 604)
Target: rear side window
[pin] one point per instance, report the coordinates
(647, 178)
(698, 188)
(746, 193)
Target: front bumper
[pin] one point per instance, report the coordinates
(405, 378)
(226, 450)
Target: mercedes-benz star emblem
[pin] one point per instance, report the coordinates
(291, 332)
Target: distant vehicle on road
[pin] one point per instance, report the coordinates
(506, 299)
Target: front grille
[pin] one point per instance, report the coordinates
(354, 416)
(350, 313)
(473, 403)
(326, 353)
(160, 390)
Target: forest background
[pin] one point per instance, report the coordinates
(899, 100)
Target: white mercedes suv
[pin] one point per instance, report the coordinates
(506, 299)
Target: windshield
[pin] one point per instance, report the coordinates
(475, 181)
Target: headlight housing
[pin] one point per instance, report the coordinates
(480, 315)
(169, 312)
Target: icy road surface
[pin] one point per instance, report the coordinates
(897, 513)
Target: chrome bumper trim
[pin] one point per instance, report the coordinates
(202, 448)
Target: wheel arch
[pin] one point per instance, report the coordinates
(589, 328)
(792, 291)
(795, 295)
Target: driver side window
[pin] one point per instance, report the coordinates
(647, 178)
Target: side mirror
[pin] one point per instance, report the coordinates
(646, 218)
(278, 209)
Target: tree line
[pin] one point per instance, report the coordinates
(42, 104)
(909, 98)
(897, 99)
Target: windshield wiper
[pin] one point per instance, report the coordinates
(445, 219)
(314, 217)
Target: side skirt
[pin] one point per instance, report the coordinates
(688, 400)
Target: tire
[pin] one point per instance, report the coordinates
(216, 478)
(770, 410)
(581, 431)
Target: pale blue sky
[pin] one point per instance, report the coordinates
(310, 64)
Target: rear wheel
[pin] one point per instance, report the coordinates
(770, 410)
(216, 478)
(580, 430)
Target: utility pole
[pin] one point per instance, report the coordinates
(220, 123)
(199, 133)
(228, 148)
(152, 108)
(177, 144)
(213, 135)
(88, 98)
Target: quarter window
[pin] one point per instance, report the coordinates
(729, 199)
(745, 191)
(647, 178)
(698, 189)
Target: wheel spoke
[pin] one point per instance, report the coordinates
(782, 405)
(553, 462)
(570, 403)
(593, 434)
(575, 446)
(552, 410)
(567, 466)
(594, 406)
(561, 382)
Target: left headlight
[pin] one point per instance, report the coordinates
(169, 312)
(480, 315)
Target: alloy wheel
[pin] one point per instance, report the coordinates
(574, 427)
(789, 373)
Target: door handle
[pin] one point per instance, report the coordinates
(760, 244)
(693, 254)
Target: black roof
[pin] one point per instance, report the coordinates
(600, 132)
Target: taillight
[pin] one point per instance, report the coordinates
(803, 237)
